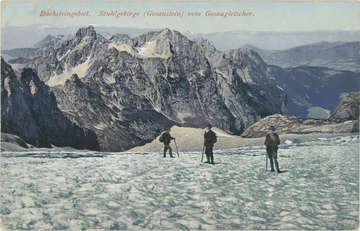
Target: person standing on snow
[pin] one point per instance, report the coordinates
(166, 139)
(272, 142)
(209, 141)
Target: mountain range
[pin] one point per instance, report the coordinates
(116, 92)
(127, 90)
(269, 40)
(335, 55)
(275, 40)
(308, 87)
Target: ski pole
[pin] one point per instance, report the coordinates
(202, 156)
(177, 150)
(266, 161)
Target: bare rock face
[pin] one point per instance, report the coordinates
(118, 124)
(348, 109)
(127, 90)
(344, 120)
(293, 125)
(29, 110)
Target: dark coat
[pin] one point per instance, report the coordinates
(209, 138)
(166, 138)
(272, 141)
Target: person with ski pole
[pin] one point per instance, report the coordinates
(272, 142)
(166, 138)
(209, 141)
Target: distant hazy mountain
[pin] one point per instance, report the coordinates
(307, 87)
(15, 53)
(50, 41)
(336, 55)
(274, 40)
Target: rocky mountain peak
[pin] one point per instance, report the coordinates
(163, 36)
(166, 32)
(248, 55)
(86, 31)
(171, 34)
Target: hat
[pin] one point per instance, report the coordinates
(272, 128)
(209, 126)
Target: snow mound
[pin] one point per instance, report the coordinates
(191, 139)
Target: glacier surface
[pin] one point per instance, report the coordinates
(134, 191)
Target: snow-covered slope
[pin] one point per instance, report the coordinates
(127, 191)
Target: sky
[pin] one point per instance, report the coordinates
(266, 15)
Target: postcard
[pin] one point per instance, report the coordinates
(180, 115)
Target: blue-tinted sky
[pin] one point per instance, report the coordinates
(268, 15)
